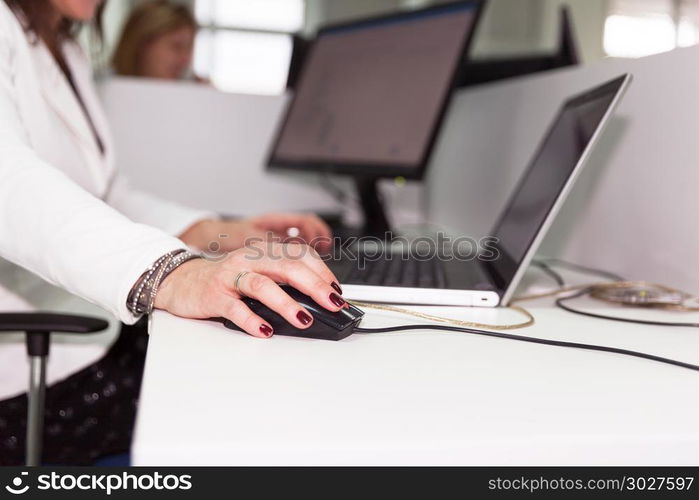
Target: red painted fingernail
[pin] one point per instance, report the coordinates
(337, 300)
(304, 317)
(336, 287)
(266, 330)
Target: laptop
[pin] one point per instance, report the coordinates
(489, 277)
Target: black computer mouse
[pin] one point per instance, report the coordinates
(327, 325)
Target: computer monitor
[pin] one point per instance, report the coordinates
(371, 97)
(481, 71)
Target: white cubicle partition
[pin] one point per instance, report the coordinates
(632, 210)
(191, 143)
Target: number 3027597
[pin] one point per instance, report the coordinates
(659, 483)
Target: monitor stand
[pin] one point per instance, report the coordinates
(375, 220)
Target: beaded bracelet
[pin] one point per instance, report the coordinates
(136, 296)
(141, 299)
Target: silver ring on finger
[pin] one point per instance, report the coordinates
(236, 282)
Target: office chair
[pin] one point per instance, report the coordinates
(38, 328)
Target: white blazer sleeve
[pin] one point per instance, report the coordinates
(146, 208)
(57, 230)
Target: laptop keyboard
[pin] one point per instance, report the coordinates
(396, 271)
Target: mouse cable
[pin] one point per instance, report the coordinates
(556, 343)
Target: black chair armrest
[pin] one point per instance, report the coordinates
(40, 326)
(50, 323)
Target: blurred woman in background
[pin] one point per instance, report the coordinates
(157, 42)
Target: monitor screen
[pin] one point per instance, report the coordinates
(372, 94)
(547, 176)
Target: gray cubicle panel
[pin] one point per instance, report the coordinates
(634, 207)
(190, 143)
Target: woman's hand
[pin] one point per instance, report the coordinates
(226, 236)
(202, 289)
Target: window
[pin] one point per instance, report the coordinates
(637, 28)
(245, 46)
(688, 26)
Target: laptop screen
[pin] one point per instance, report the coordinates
(545, 179)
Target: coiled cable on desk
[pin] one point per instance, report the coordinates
(476, 328)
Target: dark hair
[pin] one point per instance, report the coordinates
(35, 15)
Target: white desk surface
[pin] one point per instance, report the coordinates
(216, 397)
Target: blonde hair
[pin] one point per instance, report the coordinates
(147, 22)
